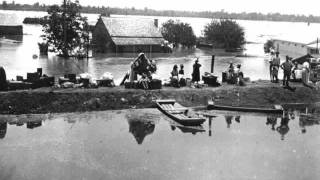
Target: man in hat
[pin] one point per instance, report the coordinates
(286, 66)
(196, 71)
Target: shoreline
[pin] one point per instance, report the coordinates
(50, 100)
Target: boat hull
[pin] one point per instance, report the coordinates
(244, 109)
(181, 119)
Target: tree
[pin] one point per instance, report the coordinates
(65, 31)
(177, 32)
(225, 33)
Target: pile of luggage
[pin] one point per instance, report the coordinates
(34, 80)
(85, 80)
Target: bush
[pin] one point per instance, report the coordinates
(225, 33)
(268, 45)
(177, 32)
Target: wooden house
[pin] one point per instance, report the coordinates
(127, 34)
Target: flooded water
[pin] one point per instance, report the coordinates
(17, 52)
(144, 144)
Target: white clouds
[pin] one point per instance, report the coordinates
(265, 6)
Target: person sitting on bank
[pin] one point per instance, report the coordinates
(175, 76)
(238, 75)
(182, 80)
(230, 70)
(286, 66)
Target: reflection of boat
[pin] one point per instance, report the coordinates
(178, 113)
(34, 124)
(192, 130)
(276, 109)
(310, 117)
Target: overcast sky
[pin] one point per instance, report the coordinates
(305, 7)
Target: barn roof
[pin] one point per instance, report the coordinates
(132, 31)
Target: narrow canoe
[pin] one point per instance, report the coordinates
(178, 113)
(276, 110)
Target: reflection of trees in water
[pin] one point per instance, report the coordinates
(141, 125)
(193, 130)
(3, 129)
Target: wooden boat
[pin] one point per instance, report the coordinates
(178, 113)
(275, 110)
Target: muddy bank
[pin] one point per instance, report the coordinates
(47, 100)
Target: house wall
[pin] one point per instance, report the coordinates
(101, 39)
(292, 49)
(103, 43)
(143, 48)
(11, 30)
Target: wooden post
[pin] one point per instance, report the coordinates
(212, 63)
(210, 120)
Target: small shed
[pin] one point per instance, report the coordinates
(127, 34)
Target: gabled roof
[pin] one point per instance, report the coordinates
(131, 27)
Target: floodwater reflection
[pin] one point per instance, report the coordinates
(145, 144)
(3, 129)
(141, 125)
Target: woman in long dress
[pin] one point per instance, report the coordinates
(196, 71)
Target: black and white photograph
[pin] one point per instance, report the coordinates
(159, 90)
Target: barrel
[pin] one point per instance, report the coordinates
(3, 80)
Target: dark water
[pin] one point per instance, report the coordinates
(144, 144)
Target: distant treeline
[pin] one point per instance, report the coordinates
(172, 13)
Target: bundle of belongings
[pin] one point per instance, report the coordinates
(34, 80)
(140, 75)
(72, 81)
(210, 79)
(106, 80)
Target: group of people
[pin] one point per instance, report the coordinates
(178, 79)
(141, 66)
(289, 69)
(234, 74)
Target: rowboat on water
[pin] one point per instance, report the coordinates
(178, 113)
(277, 109)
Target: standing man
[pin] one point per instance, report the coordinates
(286, 66)
(275, 66)
(270, 65)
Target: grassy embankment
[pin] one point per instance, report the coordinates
(47, 100)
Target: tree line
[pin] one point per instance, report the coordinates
(222, 33)
(150, 12)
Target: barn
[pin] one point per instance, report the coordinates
(127, 35)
